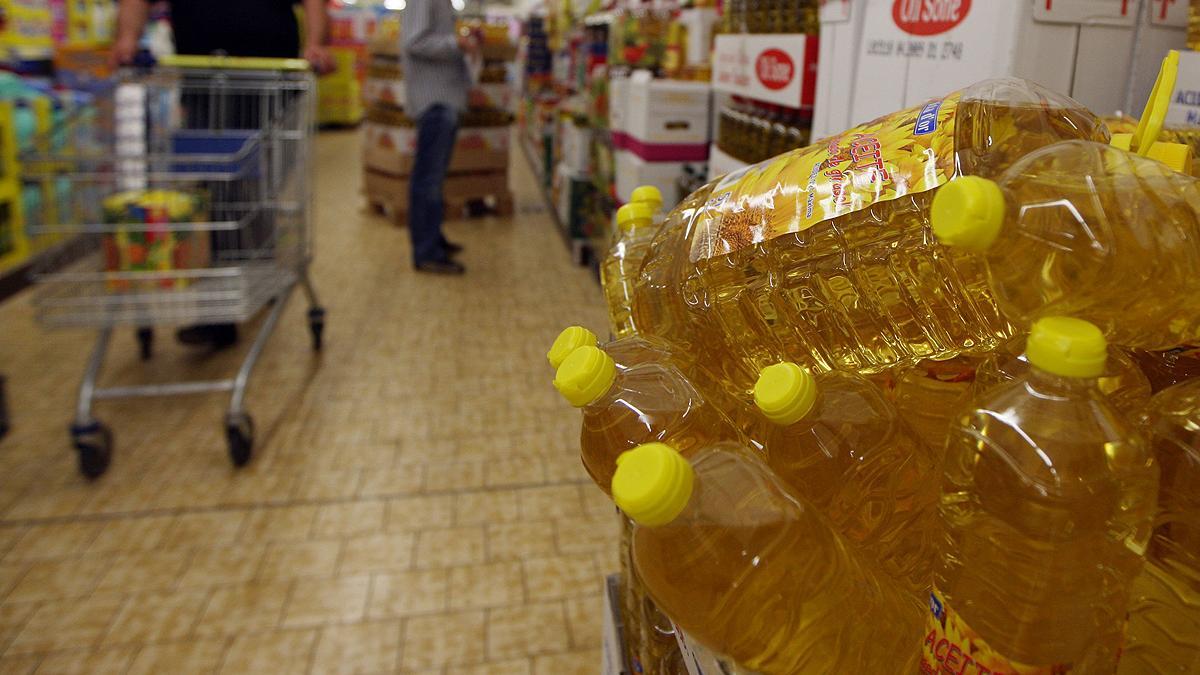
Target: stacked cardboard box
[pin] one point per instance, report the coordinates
(478, 174)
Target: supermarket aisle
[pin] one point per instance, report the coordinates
(415, 504)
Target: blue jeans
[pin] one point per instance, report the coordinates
(436, 130)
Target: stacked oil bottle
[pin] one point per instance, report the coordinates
(921, 398)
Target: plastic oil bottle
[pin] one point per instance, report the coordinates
(837, 442)
(768, 583)
(621, 265)
(1092, 231)
(626, 352)
(930, 394)
(625, 408)
(852, 278)
(753, 572)
(1047, 501)
(1164, 620)
(1122, 382)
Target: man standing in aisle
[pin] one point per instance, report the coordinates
(437, 82)
(254, 28)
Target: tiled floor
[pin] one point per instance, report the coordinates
(415, 504)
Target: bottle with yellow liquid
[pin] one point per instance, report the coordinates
(620, 267)
(752, 571)
(625, 352)
(624, 408)
(1122, 382)
(1047, 501)
(1164, 618)
(1169, 367)
(837, 442)
(824, 255)
(930, 394)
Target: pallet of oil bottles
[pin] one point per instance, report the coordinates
(921, 398)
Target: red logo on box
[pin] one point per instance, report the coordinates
(775, 69)
(929, 17)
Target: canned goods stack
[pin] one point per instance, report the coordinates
(912, 399)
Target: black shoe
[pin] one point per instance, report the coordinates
(215, 335)
(449, 267)
(451, 248)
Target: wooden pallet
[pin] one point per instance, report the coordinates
(397, 211)
(466, 194)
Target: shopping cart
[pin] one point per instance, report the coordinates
(186, 190)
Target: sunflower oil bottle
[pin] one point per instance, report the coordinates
(1164, 618)
(824, 256)
(625, 352)
(752, 571)
(625, 408)
(1122, 382)
(1169, 367)
(1047, 502)
(930, 394)
(836, 441)
(635, 230)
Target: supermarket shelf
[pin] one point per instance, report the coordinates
(580, 250)
(17, 277)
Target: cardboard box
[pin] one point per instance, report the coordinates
(632, 171)
(463, 159)
(720, 163)
(774, 68)
(404, 139)
(1084, 48)
(385, 91)
(458, 188)
(841, 30)
(668, 112)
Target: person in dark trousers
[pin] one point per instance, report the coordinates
(248, 28)
(437, 84)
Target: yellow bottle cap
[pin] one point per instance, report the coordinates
(1178, 156)
(785, 392)
(570, 339)
(647, 194)
(653, 483)
(585, 375)
(968, 212)
(1067, 347)
(634, 214)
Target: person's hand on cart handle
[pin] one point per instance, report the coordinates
(319, 58)
(123, 52)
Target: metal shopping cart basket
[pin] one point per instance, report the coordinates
(186, 190)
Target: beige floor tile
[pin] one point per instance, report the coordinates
(326, 484)
(407, 514)
(560, 500)
(509, 667)
(62, 578)
(131, 534)
(443, 639)
(377, 553)
(408, 593)
(395, 481)
(107, 661)
(515, 472)
(292, 560)
(358, 649)
(56, 503)
(527, 630)
(318, 601)
(520, 540)
(454, 476)
(491, 585)
(585, 614)
(10, 574)
(66, 624)
(144, 571)
(586, 535)
(290, 523)
(573, 663)
(451, 546)
(243, 607)
(283, 652)
(204, 530)
(20, 664)
(58, 540)
(188, 657)
(13, 617)
(488, 506)
(349, 519)
(225, 565)
(561, 577)
(157, 617)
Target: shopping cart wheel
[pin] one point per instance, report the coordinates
(239, 431)
(94, 443)
(145, 337)
(316, 323)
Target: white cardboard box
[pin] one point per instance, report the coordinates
(404, 139)
(841, 30)
(670, 112)
(392, 92)
(632, 171)
(576, 147)
(774, 68)
(1185, 100)
(1084, 48)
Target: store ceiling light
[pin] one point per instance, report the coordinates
(458, 4)
(394, 4)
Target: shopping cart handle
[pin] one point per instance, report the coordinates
(234, 62)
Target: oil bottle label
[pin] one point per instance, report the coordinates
(952, 648)
(902, 153)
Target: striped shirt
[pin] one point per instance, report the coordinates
(435, 70)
